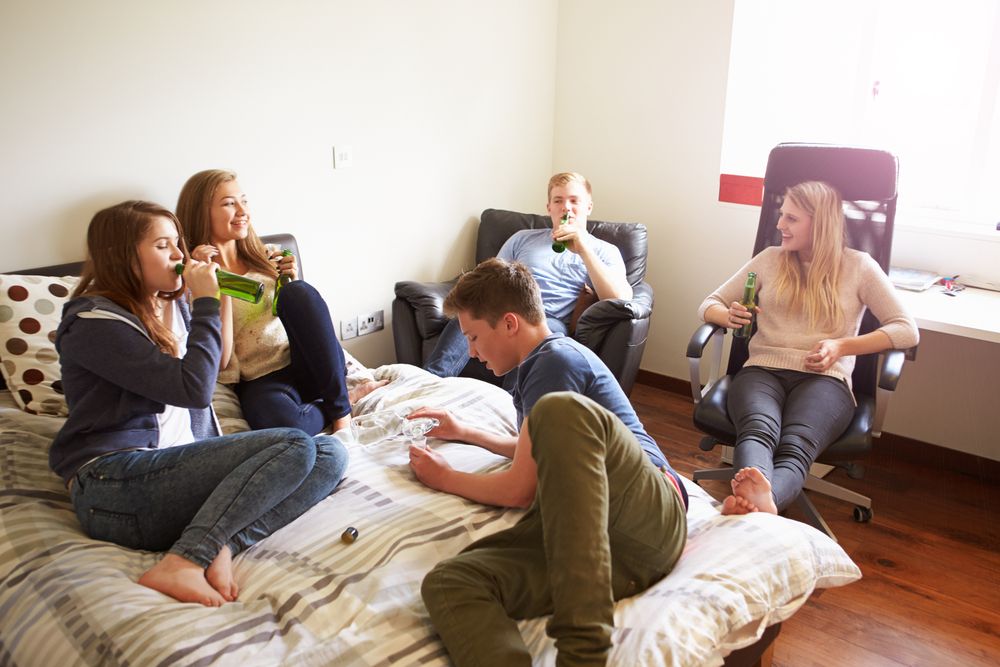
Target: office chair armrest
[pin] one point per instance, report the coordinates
(702, 336)
(889, 372)
(699, 340)
(892, 367)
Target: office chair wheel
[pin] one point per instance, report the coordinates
(862, 514)
(707, 443)
(855, 470)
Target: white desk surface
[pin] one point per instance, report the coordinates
(973, 313)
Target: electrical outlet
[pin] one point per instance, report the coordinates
(373, 321)
(349, 328)
(343, 157)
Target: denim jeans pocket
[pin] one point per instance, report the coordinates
(110, 526)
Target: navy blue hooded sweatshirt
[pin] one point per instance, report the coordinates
(116, 380)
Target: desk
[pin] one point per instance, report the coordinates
(972, 313)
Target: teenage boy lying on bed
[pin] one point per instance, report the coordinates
(607, 513)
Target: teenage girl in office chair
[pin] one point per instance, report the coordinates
(793, 396)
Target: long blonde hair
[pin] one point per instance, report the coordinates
(814, 290)
(193, 210)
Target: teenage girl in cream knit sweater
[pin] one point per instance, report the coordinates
(792, 398)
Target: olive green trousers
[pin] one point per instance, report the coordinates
(605, 524)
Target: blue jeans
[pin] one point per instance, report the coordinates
(310, 392)
(451, 353)
(784, 419)
(194, 499)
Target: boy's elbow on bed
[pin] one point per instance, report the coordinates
(522, 494)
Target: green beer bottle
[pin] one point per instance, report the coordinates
(239, 287)
(559, 246)
(749, 298)
(280, 282)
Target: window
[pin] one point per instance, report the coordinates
(920, 79)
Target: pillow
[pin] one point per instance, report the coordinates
(30, 312)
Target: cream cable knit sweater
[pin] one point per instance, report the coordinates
(783, 338)
(260, 344)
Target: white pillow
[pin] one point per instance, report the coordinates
(30, 312)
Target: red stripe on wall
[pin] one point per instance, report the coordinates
(741, 189)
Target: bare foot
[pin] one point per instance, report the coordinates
(750, 483)
(220, 575)
(737, 505)
(363, 389)
(338, 423)
(182, 580)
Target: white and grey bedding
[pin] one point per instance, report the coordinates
(307, 598)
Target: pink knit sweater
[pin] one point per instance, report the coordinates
(783, 338)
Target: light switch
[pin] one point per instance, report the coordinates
(343, 157)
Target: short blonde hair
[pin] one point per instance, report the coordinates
(567, 177)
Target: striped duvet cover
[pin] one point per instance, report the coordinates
(307, 598)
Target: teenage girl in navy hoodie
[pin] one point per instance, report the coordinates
(141, 451)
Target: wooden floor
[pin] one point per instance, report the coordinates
(930, 558)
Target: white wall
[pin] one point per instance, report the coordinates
(447, 104)
(641, 90)
(450, 107)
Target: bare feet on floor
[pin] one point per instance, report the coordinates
(751, 493)
(220, 575)
(182, 580)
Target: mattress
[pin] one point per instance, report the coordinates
(309, 598)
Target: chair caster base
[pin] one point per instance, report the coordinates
(863, 514)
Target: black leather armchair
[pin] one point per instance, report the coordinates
(615, 329)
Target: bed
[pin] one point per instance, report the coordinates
(309, 598)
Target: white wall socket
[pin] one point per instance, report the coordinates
(371, 322)
(349, 328)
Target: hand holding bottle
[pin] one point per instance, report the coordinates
(200, 279)
(739, 315)
(284, 262)
(569, 234)
(742, 312)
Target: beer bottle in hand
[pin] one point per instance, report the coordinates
(749, 301)
(282, 280)
(236, 286)
(559, 246)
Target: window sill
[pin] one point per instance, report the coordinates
(919, 224)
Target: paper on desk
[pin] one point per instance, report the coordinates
(916, 280)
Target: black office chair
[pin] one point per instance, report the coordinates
(866, 180)
(615, 329)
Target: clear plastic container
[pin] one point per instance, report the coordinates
(377, 426)
(416, 429)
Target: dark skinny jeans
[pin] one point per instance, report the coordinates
(784, 419)
(311, 391)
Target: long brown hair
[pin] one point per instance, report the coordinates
(112, 267)
(194, 206)
(815, 290)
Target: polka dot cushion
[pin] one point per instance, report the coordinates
(30, 311)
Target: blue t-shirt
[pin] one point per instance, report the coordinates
(560, 275)
(560, 363)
